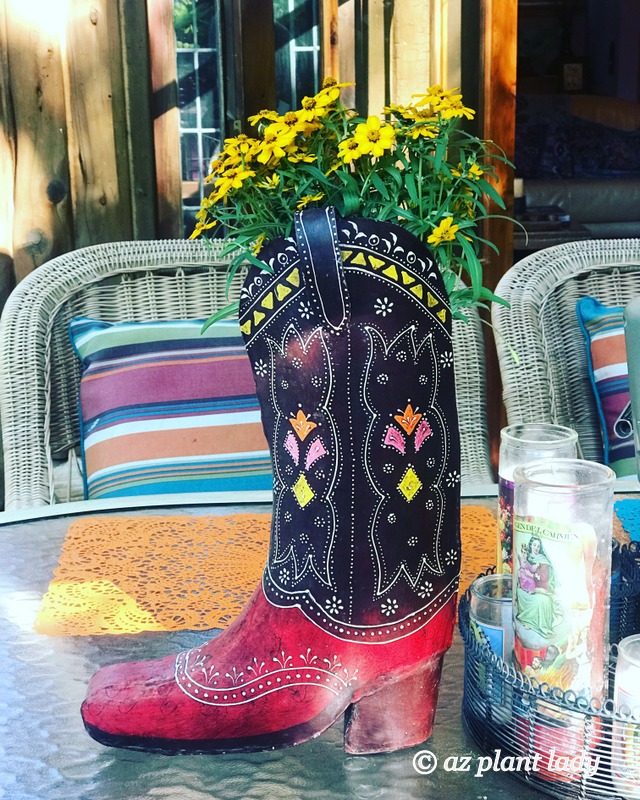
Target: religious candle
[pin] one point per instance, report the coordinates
(563, 519)
(518, 444)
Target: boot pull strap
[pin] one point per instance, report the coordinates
(317, 240)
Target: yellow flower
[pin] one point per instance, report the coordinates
(231, 179)
(444, 232)
(271, 182)
(332, 87)
(455, 109)
(436, 95)
(425, 123)
(265, 114)
(318, 105)
(309, 198)
(475, 172)
(375, 137)
(256, 247)
(300, 155)
(241, 145)
(350, 149)
(445, 102)
(276, 138)
(202, 226)
(401, 111)
(293, 121)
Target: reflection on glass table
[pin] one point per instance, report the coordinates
(47, 755)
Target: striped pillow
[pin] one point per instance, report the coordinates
(603, 327)
(167, 409)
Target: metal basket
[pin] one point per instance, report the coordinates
(555, 741)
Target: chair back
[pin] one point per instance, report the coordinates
(136, 281)
(541, 348)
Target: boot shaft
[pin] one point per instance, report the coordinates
(350, 343)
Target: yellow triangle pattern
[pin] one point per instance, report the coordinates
(391, 271)
(278, 293)
(294, 278)
(406, 278)
(396, 274)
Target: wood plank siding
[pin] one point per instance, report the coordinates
(76, 144)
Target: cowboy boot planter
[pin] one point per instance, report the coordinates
(350, 342)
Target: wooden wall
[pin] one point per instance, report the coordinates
(76, 139)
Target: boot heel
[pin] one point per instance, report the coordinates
(398, 715)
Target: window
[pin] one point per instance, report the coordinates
(297, 35)
(200, 96)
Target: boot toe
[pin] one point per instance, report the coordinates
(129, 699)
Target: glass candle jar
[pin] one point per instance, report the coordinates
(519, 443)
(625, 757)
(563, 520)
(490, 608)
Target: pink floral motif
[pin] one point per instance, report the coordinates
(423, 431)
(394, 438)
(292, 447)
(316, 451)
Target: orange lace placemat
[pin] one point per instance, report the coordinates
(134, 574)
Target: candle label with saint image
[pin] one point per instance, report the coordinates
(559, 619)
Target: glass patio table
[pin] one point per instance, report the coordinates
(47, 755)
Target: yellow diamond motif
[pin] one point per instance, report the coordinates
(410, 484)
(294, 278)
(359, 259)
(303, 492)
(268, 301)
(346, 254)
(417, 290)
(246, 328)
(442, 314)
(376, 263)
(431, 300)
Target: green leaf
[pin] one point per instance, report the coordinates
(228, 311)
(395, 174)
(377, 181)
(410, 183)
(490, 190)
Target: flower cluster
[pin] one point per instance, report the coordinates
(416, 167)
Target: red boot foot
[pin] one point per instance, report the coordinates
(273, 679)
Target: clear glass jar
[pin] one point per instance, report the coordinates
(519, 443)
(625, 757)
(563, 521)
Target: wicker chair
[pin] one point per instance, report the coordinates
(134, 281)
(541, 349)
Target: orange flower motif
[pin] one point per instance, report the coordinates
(409, 419)
(301, 425)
